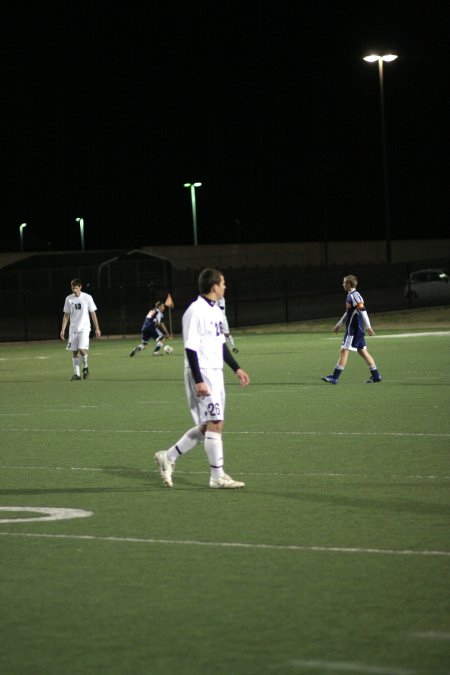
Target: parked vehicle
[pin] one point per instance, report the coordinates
(429, 284)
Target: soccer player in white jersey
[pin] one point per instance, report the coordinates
(78, 307)
(356, 322)
(226, 327)
(205, 353)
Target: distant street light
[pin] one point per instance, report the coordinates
(381, 58)
(21, 228)
(81, 221)
(192, 187)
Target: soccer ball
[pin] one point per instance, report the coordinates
(168, 349)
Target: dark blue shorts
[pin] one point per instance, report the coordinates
(149, 331)
(353, 342)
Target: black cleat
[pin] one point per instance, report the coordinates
(235, 349)
(85, 373)
(75, 377)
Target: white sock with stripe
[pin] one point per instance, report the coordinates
(214, 450)
(187, 442)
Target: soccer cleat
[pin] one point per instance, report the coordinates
(85, 373)
(133, 351)
(373, 379)
(75, 377)
(235, 349)
(329, 378)
(166, 468)
(225, 482)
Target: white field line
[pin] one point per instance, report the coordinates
(348, 667)
(431, 635)
(402, 335)
(24, 358)
(248, 433)
(233, 544)
(371, 476)
(408, 335)
(49, 513)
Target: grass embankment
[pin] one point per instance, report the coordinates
(425, 318)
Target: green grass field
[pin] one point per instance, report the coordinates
(335, 558)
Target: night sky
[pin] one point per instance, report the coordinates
(107, 110)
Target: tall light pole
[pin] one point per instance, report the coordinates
(381, 58)
(192, 187)
(81, 221)
(21, 228)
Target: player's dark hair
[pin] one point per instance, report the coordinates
(76, 282)
(207, 279)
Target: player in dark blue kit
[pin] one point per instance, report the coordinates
(356, 322)
(153, 328)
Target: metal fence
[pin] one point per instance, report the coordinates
(255, 296)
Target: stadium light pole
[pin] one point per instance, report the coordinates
(381, 59)
(21, 228)
(81, 221)
(192, 187)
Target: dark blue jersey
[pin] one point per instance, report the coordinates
(353, 321)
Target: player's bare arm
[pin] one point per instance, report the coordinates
(96, 325)
(244, 378)
(64, 326)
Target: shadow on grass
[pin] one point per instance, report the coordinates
(372, 504)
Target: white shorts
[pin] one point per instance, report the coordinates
(206, 408)
(78, 341)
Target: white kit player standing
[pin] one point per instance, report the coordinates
(205, 353)
(79, 309)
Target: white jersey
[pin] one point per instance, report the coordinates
(78, 310)
(202, 332)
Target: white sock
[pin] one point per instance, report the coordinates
(84, 360)
(76, 365)
(214, 450)
(187, 442)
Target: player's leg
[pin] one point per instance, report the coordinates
(83, 346)
(159, 337)
(342, 362)
(158, 348)
(214, 412)
(76, 366)
(166, 459)
(145, 337)
(368, 358)
(72, 346)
